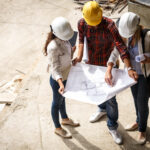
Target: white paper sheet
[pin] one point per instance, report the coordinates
(86, 83)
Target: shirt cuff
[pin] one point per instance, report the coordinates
(58, 77)
(112, 61)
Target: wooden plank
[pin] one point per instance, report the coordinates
(142, 11)
(7, 98)
(142, 2)
(2, 107)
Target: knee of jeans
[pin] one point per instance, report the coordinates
(112, 103)
(55, 104)
(112, 109)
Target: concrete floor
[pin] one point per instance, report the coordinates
(27, 123)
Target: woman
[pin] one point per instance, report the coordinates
(59, 52)
(130, 29)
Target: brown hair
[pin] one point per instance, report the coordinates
(50, 37)
(136, 36)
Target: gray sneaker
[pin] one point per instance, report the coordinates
(116, 136)
(96, 116)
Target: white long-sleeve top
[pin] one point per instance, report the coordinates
(59, 58)
(115, 54)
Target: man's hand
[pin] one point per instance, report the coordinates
(108, 78)
(133, 74)
(79, 56)
(146, 60)
(108, 74)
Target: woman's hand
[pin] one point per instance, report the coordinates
(146, 60)
(61, 86)
(61, 89)
(132, 73)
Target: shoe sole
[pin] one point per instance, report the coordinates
(141, 143)
(98, 118)
(114, 140)
(70, 124)
(131, 129)
(63, 136)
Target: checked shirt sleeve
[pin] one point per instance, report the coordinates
(81, 31)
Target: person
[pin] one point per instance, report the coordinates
(102, 36)
(130, 29)
(59, 51)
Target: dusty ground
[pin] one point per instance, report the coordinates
(27, 124)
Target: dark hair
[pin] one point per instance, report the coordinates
(50, 37)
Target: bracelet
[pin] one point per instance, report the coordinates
(130, 68)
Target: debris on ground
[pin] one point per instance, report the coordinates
(109, 5)
(9, 90)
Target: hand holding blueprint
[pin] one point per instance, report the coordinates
(86, 83)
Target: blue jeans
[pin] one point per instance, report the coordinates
(58, 103)
(140, 95)
(111, 107)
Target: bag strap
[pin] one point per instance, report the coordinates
(143, 34)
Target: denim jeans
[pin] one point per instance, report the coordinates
(140, 95)
(111, 107)
(58, 103)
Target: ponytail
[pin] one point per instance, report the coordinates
(50, 37)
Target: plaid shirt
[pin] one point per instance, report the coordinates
(101, 41)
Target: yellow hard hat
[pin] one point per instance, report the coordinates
(92, 13)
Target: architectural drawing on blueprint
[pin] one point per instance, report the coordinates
(86, 83)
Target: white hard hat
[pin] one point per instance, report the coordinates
(61, 28)
(128, 24)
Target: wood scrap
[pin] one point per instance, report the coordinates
(123, 8)
(7, 98)
(20, 71)
(115, 6)
(2, 107)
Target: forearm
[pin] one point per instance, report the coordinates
(113, 58)
(60, 82)
(131, 72)
(108, 74)
(80, 52)
(127, 62)
(110, 66)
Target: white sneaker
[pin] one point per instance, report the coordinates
(96, 116)
(116, 136)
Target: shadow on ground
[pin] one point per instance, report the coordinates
(81, 139)
(129, 143)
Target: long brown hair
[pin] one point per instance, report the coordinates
(50, 37)
(136, 36)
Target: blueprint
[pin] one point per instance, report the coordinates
(86, 83)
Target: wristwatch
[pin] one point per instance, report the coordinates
(130, 68)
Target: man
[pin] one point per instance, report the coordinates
(102, 36)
